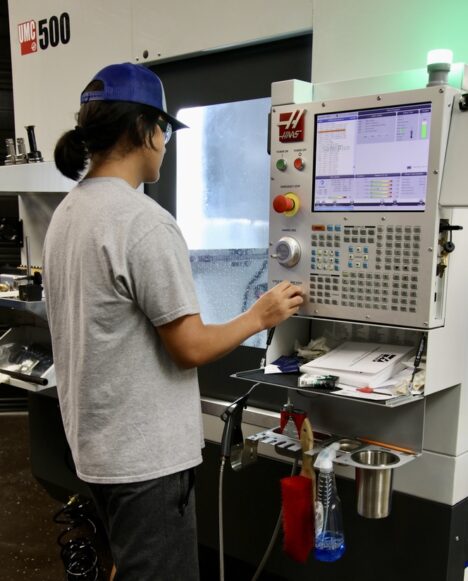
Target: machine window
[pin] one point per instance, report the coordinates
(223, 203)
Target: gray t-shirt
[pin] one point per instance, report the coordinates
(116, 266)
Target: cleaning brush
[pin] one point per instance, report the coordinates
(298, 496)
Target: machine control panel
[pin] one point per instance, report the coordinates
(354, 212)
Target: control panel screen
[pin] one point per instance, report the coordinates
(372, 160)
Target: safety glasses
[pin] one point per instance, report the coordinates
(166, 128)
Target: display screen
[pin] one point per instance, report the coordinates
(372, 160)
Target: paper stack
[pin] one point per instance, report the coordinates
(360, 364)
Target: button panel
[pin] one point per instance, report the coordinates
(372, 267)
(386, 292)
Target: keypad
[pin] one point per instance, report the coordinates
(380, 292)
(398, 249)
(372, 267)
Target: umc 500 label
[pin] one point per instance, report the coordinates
(44, 33)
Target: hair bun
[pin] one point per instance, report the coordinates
(79, 132)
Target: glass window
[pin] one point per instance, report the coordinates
(222, 204)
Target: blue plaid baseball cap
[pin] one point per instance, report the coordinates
(134, 84)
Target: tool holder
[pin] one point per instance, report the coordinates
(374, 464)
(350, 449)
(345, 456)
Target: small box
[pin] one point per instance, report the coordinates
(317, 381)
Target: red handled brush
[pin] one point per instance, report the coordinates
(298, 494)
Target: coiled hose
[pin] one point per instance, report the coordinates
(77, 551)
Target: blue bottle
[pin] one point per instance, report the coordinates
(329, 536)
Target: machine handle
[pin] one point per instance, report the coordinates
(25, 377)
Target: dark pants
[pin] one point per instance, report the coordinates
(151, 527)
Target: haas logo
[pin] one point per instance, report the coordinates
(291, 126)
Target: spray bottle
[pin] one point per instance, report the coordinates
(329, 536)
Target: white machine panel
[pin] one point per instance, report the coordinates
(355, 213)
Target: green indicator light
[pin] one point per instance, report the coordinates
(424, 130)
(281, 164)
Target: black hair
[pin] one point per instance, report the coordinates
(101, 125)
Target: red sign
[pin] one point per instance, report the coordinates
(291, 126)
(27, 37)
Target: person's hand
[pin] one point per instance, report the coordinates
(278, 304)
(191, 343)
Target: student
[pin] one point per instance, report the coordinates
(126, 330)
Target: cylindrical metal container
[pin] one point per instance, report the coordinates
(374, 483)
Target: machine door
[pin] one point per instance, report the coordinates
(215, 180)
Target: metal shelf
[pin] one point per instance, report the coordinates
(289, 381)
(34, 177)
(37, 308)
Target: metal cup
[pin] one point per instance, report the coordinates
(374, 482)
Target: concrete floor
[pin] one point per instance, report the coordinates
(28, 547)
(28, 534)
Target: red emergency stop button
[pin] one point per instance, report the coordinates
(283, 204)
(299, 163)
(287, 204)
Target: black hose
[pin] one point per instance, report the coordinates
(78, 554)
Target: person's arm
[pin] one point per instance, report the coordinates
(191, 343)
